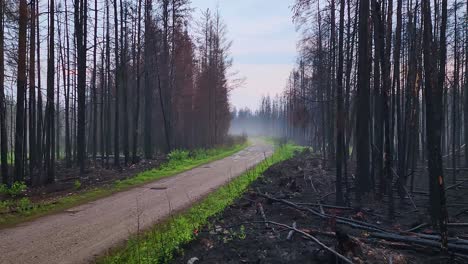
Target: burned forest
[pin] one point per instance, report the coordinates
(108, 83)
(250, 131)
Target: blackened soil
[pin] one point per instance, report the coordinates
(239, 236)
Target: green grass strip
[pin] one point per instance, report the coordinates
(163, 241)
(179, 161)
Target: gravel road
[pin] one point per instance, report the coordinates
(81, 233)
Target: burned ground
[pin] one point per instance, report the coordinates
(300, 193)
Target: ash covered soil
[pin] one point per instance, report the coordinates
(300, 193)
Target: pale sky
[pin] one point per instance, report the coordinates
(264, 44)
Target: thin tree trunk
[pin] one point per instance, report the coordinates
(434, 83)
(362, 125)
(68, 151)
(117, 89)
(39, 109)
(21, 91)
(148, 147)
(3, 129)
(340, 144)
(50, 111)
(137, 70)
(94, 78)
(32, 95)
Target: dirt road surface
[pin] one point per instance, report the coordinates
(79, 234)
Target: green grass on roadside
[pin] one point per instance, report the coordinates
(167, 238)
(179, 161)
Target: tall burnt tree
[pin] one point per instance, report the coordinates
(21, 92)
(32, 91)
(148, 149)
(136, 60)
(81, 18)
(49, 148)
(3, 127)
(340, 139)
(362, 102)
(434, 85)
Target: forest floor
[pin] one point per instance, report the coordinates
(79, 234)
(283, 212)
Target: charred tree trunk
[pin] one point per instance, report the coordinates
(117, 89)
(94, 89)
(50, 111)
(137, 71)
(434, 83)
(340, 119)
(21, 92)
(81, 8)
(32, 95)
(148, 147)
(3, 129)
(362, 101)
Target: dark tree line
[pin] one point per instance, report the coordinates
(381, 90)
(122, 78)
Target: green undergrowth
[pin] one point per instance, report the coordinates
(163, 241)
(180, 161)
(16, 210)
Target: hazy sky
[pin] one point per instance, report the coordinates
(264, 44)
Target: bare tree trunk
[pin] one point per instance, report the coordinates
(136, 62)
(80, 34)
(68, 150)
(108, 81)
(39, 109)
(50, 111)
(148, 146)
(434, 88)
(3, 129)
(117, 89)
(21, 91)
(123, 72)
(455, 99)
(94, 90)
(362, 119)
(465, 109)
(32, 95)
(340, 144)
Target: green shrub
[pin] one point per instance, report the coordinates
(4, 206)
(77, 184)
(200, 154)
(3, 189)
(24, 205)
(178, 155)
(15, 190)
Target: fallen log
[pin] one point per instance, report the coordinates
(455, 240)
(417, 227)
(327, 206)
(458, 224)
(461, 212)
(455, 185)
(452, 247)
(318, 242)
(341, 220)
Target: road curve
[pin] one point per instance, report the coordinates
(79, 234)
